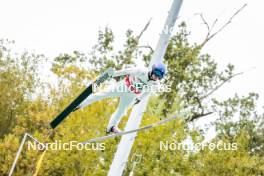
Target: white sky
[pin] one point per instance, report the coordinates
(51, 27)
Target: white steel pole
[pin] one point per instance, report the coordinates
(123, 150)
(20, 149)
(166, 33)
(17, 155)
(126, 143)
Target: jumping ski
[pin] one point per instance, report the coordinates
(130, 131)
(88, 91)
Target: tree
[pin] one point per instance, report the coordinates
(194, 77)
(19, 82)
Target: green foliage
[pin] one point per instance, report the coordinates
(191, 74)
(18, 83)
(193, 77)
(103, 54)
(247, 121)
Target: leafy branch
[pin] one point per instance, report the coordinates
(210, 28)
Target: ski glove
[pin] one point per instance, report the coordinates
(137, 100)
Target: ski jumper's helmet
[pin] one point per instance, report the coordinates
(159, 70)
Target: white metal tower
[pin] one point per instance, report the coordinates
(126, 143)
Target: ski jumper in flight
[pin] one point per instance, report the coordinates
(130, 91)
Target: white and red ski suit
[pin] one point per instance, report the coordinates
(130, 90)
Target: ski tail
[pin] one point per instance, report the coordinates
(88, 91)
(71, 107)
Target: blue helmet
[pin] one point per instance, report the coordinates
(159, 70)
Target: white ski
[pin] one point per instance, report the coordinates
(130, 131)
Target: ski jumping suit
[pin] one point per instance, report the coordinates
(129, 90)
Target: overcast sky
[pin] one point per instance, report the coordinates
(51, 27)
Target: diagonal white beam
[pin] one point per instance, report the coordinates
(123, 150)
(165, 35)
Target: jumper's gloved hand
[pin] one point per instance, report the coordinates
(137, 100)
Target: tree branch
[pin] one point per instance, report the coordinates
(148, 47)
(209, 36)
(144, 29)
(207, 26)
(196, 116)
(220, 85)
(199, 103)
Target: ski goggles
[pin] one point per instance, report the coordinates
(158, 74)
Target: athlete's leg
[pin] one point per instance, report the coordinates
(124, 103)
(108, 93)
